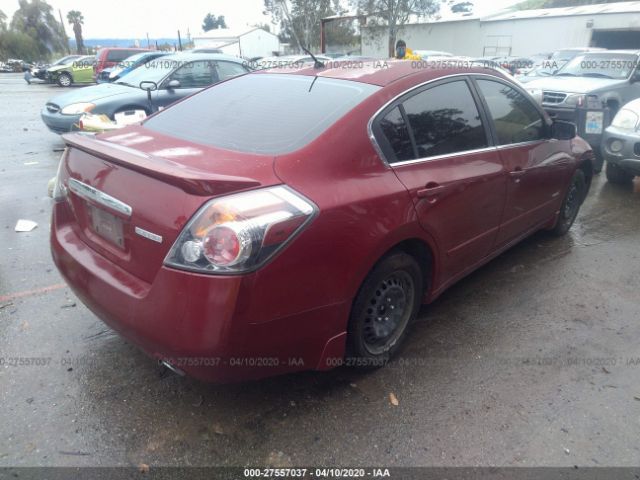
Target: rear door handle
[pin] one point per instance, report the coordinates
(431, 190)
(518, 172)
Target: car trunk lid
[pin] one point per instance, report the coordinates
(131, 192)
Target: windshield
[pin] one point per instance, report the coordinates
(262, 113)
(64, 60)
(605, 65)
(154, 71)
(565, 55)
(547, 68)
(129, 61)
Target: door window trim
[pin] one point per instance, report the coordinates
(417, 89)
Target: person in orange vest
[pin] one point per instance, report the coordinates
(404, 53)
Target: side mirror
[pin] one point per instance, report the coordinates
(561, 130)
(173, 84)
(148, 86)
(635, 78)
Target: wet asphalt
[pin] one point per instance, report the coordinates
(533, 360)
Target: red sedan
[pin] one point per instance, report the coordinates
(297, 219)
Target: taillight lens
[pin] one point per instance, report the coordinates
(240, 232)
(59, 190)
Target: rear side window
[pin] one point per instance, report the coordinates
(396, 132)
(262, 113)
(119, 55)
(229, 70)
(445, 120)
(198, 74)
(516, 119)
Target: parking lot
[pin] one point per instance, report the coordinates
(532, 360)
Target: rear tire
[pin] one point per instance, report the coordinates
(571, 204)
(615, 174)
(386, 304)
(65, 80)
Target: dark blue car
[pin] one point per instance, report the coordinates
(176, 77)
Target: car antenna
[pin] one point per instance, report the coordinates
(316, 63)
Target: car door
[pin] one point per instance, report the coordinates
(537, 166)
(83, 70)
(192, 77)
(436, 141)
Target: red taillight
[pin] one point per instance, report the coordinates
(240, 232)
(222, 246)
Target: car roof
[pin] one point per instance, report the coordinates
(191, 56)
(377, 72)
(615, 52)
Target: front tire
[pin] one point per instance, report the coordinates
(65, 80)
(615, 174)
(598, 162)
(571, 204)
(386, 304)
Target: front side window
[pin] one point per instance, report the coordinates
(445, 120)
(516, 119)
(198, 74)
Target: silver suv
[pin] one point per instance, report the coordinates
(589, 90)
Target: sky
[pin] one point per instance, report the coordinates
(162, 18)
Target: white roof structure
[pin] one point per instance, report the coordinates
(600, 8)
(227, 34)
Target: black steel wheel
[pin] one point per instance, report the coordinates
(571, 203)
(615, 174)
(387, 302)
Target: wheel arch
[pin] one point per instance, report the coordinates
(420, 246)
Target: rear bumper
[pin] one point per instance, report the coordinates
(200, 324)
(628, 157)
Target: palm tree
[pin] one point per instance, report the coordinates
(75, 18)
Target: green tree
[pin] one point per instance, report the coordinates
(3, 22)
(211, 22)
(264, 26)
(300, 20)
(35, 19)
(76, 20)
(395, 13)
(18, 45)
(534, 4)
(461, 7)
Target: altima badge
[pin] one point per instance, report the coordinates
(149, 235)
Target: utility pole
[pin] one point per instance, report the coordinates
(148, 43)
(179, 40)
(64, 33)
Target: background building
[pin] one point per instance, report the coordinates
(255, 42)
(520, 33)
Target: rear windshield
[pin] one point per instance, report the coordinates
(262, 113)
